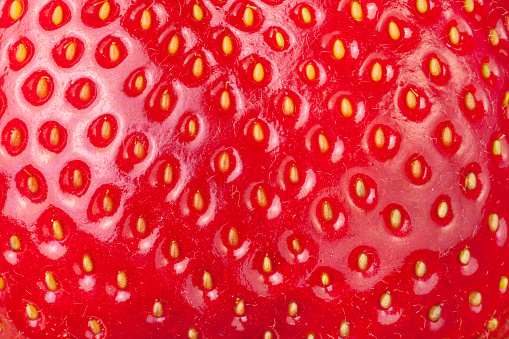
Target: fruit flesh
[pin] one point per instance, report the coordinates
(198, 204)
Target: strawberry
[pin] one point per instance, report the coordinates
(254, 169)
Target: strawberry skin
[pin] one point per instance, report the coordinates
(254, 169)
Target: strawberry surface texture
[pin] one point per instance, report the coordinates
(254, 169)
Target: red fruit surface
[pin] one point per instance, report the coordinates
(254, 169)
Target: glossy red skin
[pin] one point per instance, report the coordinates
(136, 187)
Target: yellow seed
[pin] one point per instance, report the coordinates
(422, 6)
(224, 100)
(469, 101)
(88, 266)
(21, 52)
(434, 67)
(464, 256)
(310, 72)
(223, 162)
(505, 103)
(420, 269)
(32, 312)
(33, 184)
(191, 128)
(107, 203)
(192, 333)
(442, 209)
(416, 169)
(356, 11)
(296, 245)
(293, 308)
(492, 324)
(411, 100)
(121, 280)
(173, 45)
(493, 222)
(157, 310)
(280, 40)
(447, 136)
(395, 218)
(15, 243)
(198, 12)
(2, 283)
(85, 92)
(360, 189)
(497, 147)
(503, 283)
(70, 51)
(165, 101)
(323, 143)
(94, 326)
(240, 308)
(15, 10)
(346, 108)
(227, 45)
(58, 15)
(288, 106)
(325, 279)
(198, 67)
(485, 70)
(386, 300)
(344, 329)
(306, 15)
(475, 299)
(174, 250)
(495, 40)
(257, 132)
(114, 52)
(58, 231)
(146, 19)
(293, 174)
(469, 6)
(454, 35)
(434, 313)
(54, 138)
(376, 72)
(106, 130)
(470, 181)
(379, 138)
(362, 261)
(258, 73)
(42, 87)
(198, 203)
(51, 283)
(394, 31)
(141, 225)
(338, 49)
(327, 211)
(267, 264)
(261, 197)
(168, 174)
(233, 237)
(16, 138)
(248, 17)
(104, 11)
(311, 336)
(207, 281)
(139, 83)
